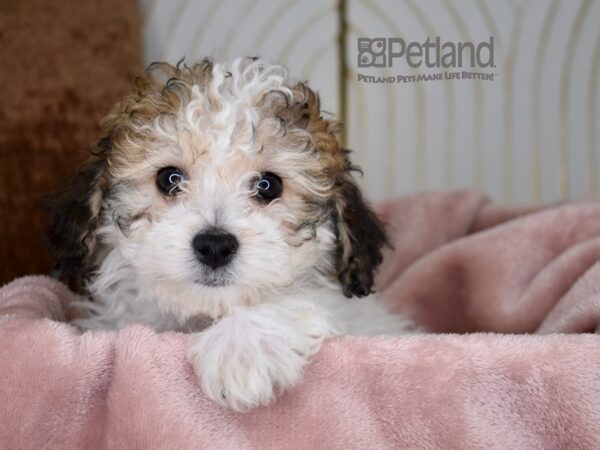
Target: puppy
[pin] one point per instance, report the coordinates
(219, 197)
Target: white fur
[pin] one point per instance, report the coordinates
(278, 304)
(246, 357)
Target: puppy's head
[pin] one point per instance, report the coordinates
(215, 186)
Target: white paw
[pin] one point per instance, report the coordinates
(245, 359)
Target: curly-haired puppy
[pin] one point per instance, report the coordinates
(220, 194)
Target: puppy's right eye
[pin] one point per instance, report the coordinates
(168, 180)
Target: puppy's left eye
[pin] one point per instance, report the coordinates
(268, 186)
(168, 180)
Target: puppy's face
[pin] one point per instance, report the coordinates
(216, 187)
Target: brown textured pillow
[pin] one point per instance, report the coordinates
(64, 64)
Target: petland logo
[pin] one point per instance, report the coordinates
(429, 54)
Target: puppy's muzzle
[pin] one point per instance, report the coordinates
(215, 247)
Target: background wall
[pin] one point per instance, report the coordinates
(529, 135)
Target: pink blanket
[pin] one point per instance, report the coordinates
(460, 264)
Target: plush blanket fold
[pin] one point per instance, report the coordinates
(459, 264)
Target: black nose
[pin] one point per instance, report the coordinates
(215, 247)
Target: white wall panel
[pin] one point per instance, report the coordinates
(529, 135)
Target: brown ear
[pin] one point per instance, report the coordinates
(360, 234)
(360, 237)
(74, 211)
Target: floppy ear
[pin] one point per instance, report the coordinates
(74, 211)
(360, 237)
(360, 234)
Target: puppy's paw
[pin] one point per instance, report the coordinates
(244, 360)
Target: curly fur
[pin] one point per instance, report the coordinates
(299, 255)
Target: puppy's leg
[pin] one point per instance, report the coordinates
(244, 358)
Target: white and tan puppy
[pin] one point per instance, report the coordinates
(220, 194)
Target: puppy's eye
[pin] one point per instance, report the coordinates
(168, 180)
(268, 186)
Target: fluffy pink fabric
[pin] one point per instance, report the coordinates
(460, 264)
